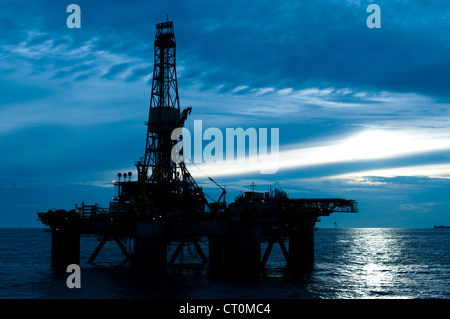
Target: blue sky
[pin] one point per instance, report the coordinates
(363, 113)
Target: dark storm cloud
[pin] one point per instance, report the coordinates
(328, 44)
(261, 43)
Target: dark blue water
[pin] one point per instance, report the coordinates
(350, 263)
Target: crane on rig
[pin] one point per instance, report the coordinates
(219, 204)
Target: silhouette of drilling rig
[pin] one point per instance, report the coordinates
(165, 206)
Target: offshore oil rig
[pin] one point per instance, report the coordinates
(165, 206)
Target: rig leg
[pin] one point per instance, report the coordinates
(284, 250)
(243, 253)
(97, 250)
(122, 247)
(216, 251)
(176, 253)
(200, 252)
(65, 249)
(239, 250)
(267, 253)
(150, 251)
(301, 246)
(269, 250)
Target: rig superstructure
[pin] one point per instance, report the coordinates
(166, 205)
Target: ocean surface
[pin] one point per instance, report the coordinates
(349, 264)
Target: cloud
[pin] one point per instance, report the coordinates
(116, 69)
(426, 170)
(323, 44)
(73, 70)
(420, 208)
(307, 44)
(138, 73)
(368, 145)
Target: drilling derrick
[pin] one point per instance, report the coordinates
(164, 113)
(164, 182)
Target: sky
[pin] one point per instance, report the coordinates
(363, 113)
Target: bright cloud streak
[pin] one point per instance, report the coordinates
(372, 144)
(432, 170)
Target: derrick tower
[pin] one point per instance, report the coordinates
(164, 113)
(158, 171)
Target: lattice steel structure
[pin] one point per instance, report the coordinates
(164, 114)
(164, 183)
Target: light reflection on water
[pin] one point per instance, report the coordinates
(370, 262)
(385, 263)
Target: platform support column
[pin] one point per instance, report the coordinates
(216, 251)
(243, 253)
(65, 249)
(242, 247)
(150, 252)
(301, 245)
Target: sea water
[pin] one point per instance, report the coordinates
(349, 264)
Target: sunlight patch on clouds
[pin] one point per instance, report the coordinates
(371, 144)
(430, 170)
(364, 180)
(239, 88)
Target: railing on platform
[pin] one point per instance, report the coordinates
(87, 211)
